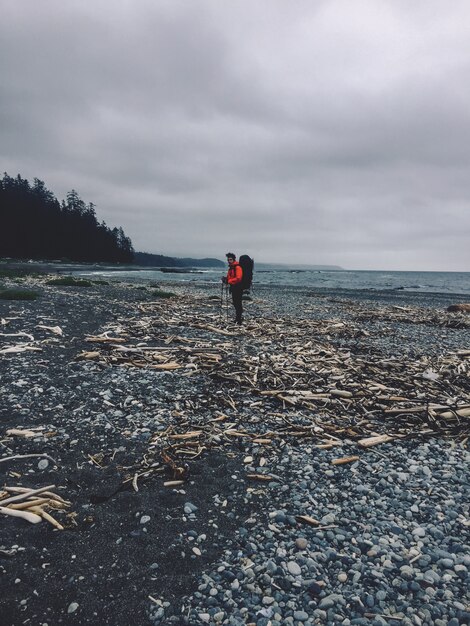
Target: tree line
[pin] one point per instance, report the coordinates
(35, 225)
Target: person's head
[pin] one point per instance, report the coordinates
(231, 258)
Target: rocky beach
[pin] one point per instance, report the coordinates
(309, 468)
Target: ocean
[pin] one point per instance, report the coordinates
(321, 280)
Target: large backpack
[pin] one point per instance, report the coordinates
(247, 265)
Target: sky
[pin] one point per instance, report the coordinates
(329, 132)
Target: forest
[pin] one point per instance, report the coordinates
(35, 225)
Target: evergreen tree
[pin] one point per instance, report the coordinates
(33, 224)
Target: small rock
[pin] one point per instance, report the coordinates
(144, 519)
(302, 616)
(189, 508)
(294, 568)
(43, 464)
(327, 603)
(315, 589)
(301, 543)
(73, 606)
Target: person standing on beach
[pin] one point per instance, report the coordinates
(234, 280)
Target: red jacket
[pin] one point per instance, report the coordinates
(235, 274)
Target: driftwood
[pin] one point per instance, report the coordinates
(275, 381)
(33, 518)
(306, 519)
(27, 456)
(311, 375)
(344, 460)
(368, 442)
(26, 494)
(27, 506)
(55, 330)
(22, 432)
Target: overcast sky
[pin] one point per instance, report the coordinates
(323, 132)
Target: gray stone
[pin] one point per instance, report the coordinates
(330, 601)
(294, 568)
(407, 571)
(432, 577)
(302, 616)
(189, 508)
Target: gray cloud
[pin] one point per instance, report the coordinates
(326, 132)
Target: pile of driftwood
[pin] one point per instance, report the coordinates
(415, 315)
(298, 381)
(31, 504)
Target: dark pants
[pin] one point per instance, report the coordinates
(237, 293)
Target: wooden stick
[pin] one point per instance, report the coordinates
(306, 519)
(28, 504)
(451, 414)
(368, 442)
(346, 459)
(26, 494)
(27, 456)
(261, 477)
(22, 432)
(49, 494)
(47, 517)
(29, 517)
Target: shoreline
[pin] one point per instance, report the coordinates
(405, 293)
(105, 421)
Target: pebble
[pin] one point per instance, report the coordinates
(301, 543)
(294, 568)
(145, 519)
(302, 616)
(330, 601)
(73, 606)
(43, 464)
